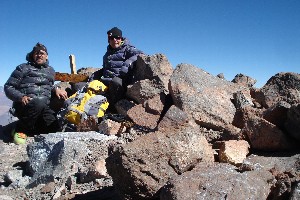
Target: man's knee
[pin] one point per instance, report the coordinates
(117, 82)
(38, 104)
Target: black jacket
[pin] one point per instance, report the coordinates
(30, 80)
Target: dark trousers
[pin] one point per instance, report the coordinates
(116, 91)
(36, 117)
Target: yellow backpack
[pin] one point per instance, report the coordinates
(87, 102)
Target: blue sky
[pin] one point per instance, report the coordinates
(258, 38)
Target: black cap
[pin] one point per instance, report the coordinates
(114, 32)
(39, 47)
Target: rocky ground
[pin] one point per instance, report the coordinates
(13, 160)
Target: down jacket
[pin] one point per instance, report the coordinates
(117, 62)
(30, 80)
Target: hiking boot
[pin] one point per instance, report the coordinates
(19, 138)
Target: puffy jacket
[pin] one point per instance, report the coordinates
(30, 80)
(116, 62)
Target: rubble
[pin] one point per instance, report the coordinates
(187, 135)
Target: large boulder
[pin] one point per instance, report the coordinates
(140, 168)
(217, 181)
(206, 98)
(60, 155)
(266, 136)
(281, 87)
(283, 166)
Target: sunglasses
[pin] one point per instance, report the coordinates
(115, 37)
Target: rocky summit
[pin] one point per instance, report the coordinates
(185, 134)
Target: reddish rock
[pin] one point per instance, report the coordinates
(142, 118)
(244, 80)
(266, 136)
(140, 168)
(155, 105)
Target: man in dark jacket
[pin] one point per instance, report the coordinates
(29, 87)
(118, 63)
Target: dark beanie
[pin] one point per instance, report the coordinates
(39, 47)
(114, 32)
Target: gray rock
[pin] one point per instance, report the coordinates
(13, 175)
(59, 155)
(283, 166)
(295, 193)
(5, 197)
(217, 181)
(154, 67)
(206, 98)
(143, 90)
(241, 100)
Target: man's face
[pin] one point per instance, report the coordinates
(40, 57)
(115, 41)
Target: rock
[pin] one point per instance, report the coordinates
(295, 192)
(244, 80)
(281, 87)
(233, 152)
(13, 176)
(100, 168)
(156, 104)
(221, 76)
(123, 106)
(140, 168)
(88, 71)
(154, 67)
(266, 136)
(241, 99)
(143, 90)
(48, 188)
(206, 98)
(142, 118)
(63, 154)
(277, 114)
(173, 119)
(292, 124)
(217, 181)
(283, 166)
(5, 197)
(110, 127)
(96, 171)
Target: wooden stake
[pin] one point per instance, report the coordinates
(72, 64)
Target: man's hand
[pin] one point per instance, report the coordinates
(61, 93)
(25, 100)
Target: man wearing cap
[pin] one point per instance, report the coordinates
(118, 63)
(29, 87)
